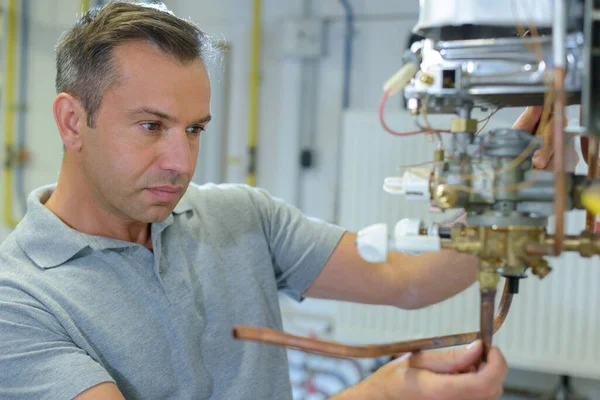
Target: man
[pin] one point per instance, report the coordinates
(123, 280)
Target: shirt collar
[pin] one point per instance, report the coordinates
(43, 236)
(49, 242)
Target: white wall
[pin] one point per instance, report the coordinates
(48, 19)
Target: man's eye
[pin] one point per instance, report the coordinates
(195, 130)
(151, 126)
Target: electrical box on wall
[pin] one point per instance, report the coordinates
(302, 38)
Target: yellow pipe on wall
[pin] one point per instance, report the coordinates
(254, 92)
(84, 5)
(9, 114)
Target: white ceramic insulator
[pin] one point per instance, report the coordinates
(408, 240)
(372, 243)
(413, 184)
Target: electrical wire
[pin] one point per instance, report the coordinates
(486, 120)
(409, 166)
(395, 133)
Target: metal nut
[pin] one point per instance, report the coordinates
(446, 197)
(468, 125)
(426, 79)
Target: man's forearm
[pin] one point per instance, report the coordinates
(404, 281)
(432, 278)
(359, 392)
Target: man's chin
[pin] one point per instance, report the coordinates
(157, 214)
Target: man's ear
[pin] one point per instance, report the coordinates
(70, 118)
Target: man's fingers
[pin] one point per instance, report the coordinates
(445, 362)
(529, 119)
(542, 157)
(486, 383)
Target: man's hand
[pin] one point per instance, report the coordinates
(531, 121)
(447, 375)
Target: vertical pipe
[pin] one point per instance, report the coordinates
(84, 5)
(486, 320)
(23, 100)
(590, 216)
(348, 38)
(9, 114)
(560, 186)
(254, 94)
(488, 284)
(308, 112)
(348, 43)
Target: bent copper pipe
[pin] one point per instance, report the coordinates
(486, 321)
(275, 337)
(560, 177)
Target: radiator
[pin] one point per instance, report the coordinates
(554, 324)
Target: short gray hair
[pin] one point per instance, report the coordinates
(84, 65)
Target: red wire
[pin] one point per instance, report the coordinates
(388, 129)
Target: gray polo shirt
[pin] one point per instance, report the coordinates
(77, 310)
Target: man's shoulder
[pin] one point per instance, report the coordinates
(220, 195)
(220, 189)
(10, 249)
(13, 260)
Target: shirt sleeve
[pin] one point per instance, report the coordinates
(300, 245)
(38, 360)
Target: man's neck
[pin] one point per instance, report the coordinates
(74, 203)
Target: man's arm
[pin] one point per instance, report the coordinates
(103, 391)
(404, 281)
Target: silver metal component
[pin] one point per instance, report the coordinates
(559, 31)
(494, 72)
(464, 111)
(494, 181)
(461, 144)
(506, 143)
(504, 220)
(590, 102)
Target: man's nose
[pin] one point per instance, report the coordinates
(178, 154)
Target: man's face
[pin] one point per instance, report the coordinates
(141, 154)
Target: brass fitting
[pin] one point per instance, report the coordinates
(438, 155)
(445, 196)
(587, 243)
(488, 277)
(465, 239)
(539, 267)
(506, 249)
(459, 125)
(426, 79)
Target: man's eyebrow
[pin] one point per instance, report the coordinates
(145, 110)
(203, 120)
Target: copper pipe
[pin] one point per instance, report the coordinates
(275, 337)
(486, 320)
(590, 217)
(537, 249)
(560, 177)
(575, 243)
